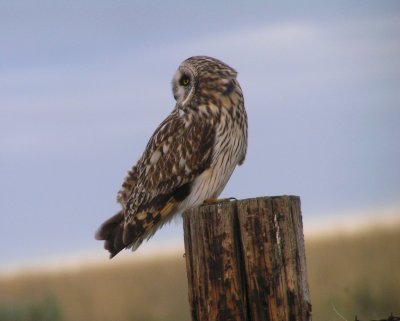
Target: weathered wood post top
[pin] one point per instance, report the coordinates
(246, 261)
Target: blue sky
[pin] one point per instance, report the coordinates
(84, 85)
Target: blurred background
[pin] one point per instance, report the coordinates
(83, 85)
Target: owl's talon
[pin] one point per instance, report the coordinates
(211, 201)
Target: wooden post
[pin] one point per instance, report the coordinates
(246, 261)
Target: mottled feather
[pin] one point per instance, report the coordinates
(189, 158)
(183, 149)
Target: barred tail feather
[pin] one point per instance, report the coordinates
(119, 233)
(111, 231)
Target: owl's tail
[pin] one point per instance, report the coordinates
(119, 234)
(111, 231)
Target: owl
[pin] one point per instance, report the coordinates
(189, 158)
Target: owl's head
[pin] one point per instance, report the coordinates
(200, 77)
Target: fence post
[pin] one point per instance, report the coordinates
(245, 261)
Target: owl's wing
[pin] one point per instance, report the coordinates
(178, 152)
(127, 186)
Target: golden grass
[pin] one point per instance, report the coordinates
(357, 274)
(153, 290)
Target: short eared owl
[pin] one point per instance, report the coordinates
(190, 157)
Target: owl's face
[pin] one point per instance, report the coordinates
(184, 83)
(202, 76)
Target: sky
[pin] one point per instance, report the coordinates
(83, 85)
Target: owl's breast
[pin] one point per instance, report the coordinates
(228, 151)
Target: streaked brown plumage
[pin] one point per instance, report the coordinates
(190, 157)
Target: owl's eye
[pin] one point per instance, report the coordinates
(185, 81)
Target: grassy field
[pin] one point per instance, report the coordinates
(356, 275)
